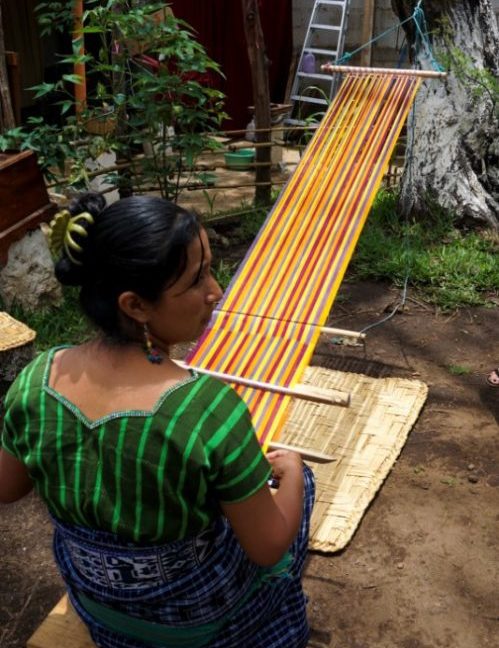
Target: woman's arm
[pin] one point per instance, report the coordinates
(14, 479)
(267, 524)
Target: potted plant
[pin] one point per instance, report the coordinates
(151, 101)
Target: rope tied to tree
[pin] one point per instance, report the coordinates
(422, 38)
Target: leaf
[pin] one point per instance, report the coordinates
(66, 105)
(92, 30)
(73, 78)
(43, 89)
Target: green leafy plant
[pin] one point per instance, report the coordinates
(224, 272)
(481, 83)
(52, 145)
(149, 90)
(210, 200)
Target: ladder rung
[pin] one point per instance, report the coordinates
(340, 3)
(321, 102)
(316, 50)
(335, 14)
(314, 75)
(325, 27)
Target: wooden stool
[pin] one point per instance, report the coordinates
(62, 627)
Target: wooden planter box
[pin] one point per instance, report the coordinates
(24, 201)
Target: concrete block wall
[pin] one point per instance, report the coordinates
(385, 51)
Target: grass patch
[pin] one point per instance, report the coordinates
(56, 325)
(459, 370)
(451, 268)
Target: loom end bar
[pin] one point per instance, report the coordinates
(305, 453)
(352, 69)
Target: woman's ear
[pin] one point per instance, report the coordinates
(134, 307)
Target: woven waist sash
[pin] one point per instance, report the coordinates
(158, 634)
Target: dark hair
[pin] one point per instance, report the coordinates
(137, 244)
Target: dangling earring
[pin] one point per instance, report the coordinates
(153, 354)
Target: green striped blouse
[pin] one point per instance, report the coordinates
(151, 476)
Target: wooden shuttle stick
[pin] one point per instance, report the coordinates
(326, 330)
(306, 392)
(306, 454)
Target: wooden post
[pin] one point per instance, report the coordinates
(6, 113)
(367, 33)
(261, 96)
(13, 72)
(79, 68)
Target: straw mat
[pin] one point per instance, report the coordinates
(13, 334)
(365, 438)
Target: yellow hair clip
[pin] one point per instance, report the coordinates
(62, 229)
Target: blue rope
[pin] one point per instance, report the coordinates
(422, 39)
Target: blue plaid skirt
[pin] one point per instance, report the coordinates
(203, 589)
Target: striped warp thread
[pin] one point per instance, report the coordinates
(269, 320)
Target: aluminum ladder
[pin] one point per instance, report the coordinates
(324, 42)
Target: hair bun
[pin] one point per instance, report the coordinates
(90, 202)
(69, 236)
(69, 274)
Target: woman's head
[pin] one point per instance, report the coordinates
(138, 245)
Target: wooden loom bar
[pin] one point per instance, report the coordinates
(305, 392)
(327, 330)
(352, 69)
(306, 453)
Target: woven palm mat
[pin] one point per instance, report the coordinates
(13, 334)
(365, 438)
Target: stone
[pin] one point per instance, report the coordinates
(28, 279)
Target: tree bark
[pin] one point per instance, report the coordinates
(6, 113)
(261, 98)
(453, 133)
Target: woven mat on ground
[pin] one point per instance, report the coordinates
(13, 333)
(365, 438)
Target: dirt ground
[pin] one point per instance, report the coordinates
(422, 569)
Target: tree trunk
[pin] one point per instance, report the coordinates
(453, 133)
(261, 98)
(6, 113)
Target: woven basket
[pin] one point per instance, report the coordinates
(13, 334)
(103, 125)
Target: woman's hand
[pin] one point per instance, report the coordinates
(266, 525)
(285, 464)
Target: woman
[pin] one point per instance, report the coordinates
(166, 532)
